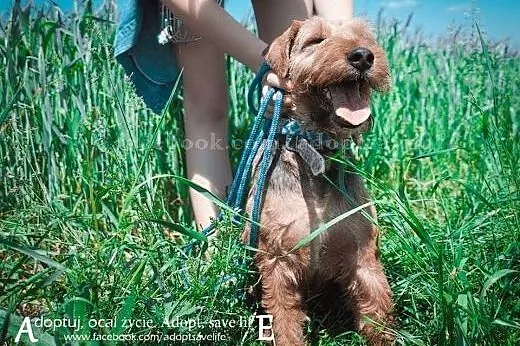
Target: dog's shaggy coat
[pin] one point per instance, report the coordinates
(333, 68)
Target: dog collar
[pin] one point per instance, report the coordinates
(308, 144)
(321, 141)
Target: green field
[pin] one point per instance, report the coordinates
(86, 170)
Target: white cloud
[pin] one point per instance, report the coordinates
(458, 8)
(400, 3)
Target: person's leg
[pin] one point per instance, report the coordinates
(273, 17)
(205, 123)
(334, 9)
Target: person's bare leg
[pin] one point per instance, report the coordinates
(274, 16)
(205, 123)
(334, 9)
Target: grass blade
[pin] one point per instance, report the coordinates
(493, 279)
(34, 253)
(179, 228)
(310, 237)
(125, 313)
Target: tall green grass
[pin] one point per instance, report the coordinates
(84, 167)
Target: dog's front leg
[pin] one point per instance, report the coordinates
(372, 296)
(282, 295)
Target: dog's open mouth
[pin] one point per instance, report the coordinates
(348, 103)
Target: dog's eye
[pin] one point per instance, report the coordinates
(313, 42)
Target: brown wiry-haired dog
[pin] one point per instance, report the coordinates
(333, 67)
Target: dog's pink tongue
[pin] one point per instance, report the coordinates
(349, 105)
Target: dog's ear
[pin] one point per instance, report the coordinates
(277, 54)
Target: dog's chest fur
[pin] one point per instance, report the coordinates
(296, 203)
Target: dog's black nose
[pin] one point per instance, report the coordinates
(361, 58)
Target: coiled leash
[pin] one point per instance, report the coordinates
(264, 130)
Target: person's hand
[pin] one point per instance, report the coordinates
(271, 79)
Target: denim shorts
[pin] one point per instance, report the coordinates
(150, 65)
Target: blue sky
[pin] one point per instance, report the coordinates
(499, 18)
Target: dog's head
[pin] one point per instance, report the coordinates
(333, 67)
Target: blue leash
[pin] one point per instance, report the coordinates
(264, 168)
(256, 138)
